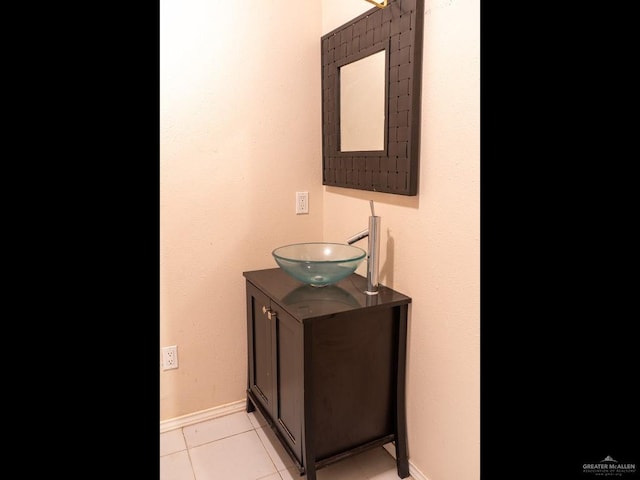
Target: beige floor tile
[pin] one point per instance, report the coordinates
(239, 457)
(257, 420)
(273, 476)
(172, 442)
(176, 466)
(279, 456)
(374, 462)
(216, 429)
(242, 446)
(344, 470)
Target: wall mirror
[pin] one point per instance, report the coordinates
(371, 82)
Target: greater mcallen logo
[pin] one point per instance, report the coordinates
(609, 468)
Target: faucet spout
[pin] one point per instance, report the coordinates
(358, 236)
(373, 254)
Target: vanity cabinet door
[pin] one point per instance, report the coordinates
(289, 353)
(262, 382)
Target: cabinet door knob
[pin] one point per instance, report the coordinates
(268, 312)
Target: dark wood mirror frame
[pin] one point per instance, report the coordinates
(397, 28)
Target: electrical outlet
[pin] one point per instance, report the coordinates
(170, 357)
(302, 203)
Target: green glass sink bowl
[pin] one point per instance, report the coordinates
(317, 263)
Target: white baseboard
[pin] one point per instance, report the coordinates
(240, 406)
(413, 470)
(202, 415)
(415, 473)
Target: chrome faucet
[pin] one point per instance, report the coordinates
(373, 250)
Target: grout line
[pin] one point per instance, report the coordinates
(257, 418)
(268, 456)
(221, 438)
(193, 470)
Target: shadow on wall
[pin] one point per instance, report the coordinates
(386, 271)
(377, 197)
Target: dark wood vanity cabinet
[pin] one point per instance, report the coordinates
(326, 367)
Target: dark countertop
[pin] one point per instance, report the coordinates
(305, 302)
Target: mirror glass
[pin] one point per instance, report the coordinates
(362, 104)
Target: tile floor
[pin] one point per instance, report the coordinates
(241, 446)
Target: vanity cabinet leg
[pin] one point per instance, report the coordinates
(309, 457)
(402, 460)
(310, 473)
(250, 406)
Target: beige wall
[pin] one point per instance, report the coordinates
(237, 81)
(240, 133)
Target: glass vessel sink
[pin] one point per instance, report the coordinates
(319, 264)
